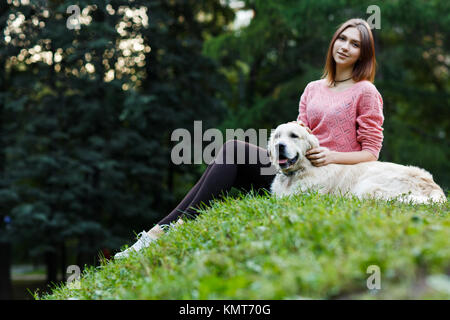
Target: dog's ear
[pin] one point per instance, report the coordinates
(312, 141)
(269, 145)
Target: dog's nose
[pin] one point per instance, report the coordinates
(280, 147)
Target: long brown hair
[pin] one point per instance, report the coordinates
(364, 68)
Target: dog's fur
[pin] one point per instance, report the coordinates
(373, 179)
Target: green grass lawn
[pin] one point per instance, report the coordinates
(309, 246)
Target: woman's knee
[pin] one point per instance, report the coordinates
(229, 150)
(233, 143)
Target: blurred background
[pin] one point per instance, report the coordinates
(86, 114)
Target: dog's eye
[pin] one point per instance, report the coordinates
(293, 135)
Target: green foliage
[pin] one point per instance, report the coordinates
(307, 246)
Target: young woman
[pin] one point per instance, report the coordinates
(343, 109)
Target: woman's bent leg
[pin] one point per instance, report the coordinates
(238, 164)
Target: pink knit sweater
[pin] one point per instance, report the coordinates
(350, 120)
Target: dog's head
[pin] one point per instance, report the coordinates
(288, 144)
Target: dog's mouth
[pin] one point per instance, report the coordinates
(285, 162)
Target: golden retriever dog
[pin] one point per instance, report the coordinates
(288, 144)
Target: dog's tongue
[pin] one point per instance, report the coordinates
(282, 160)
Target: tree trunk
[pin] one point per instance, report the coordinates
(63, 262)
(51, 260)
(5, 271)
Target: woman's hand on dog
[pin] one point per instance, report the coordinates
(320, 156)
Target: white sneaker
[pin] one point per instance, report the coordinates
(144, 240)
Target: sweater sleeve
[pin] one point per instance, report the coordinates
(370, 120)
(302, 106)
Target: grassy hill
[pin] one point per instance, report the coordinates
(307, 246)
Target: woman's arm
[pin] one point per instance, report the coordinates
(322, 156)
(352, 157)
(302, 107)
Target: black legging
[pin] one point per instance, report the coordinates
(252, 171)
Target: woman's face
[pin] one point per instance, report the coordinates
(347, 47)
